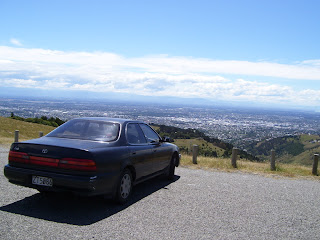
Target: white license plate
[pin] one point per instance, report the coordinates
(43, 181)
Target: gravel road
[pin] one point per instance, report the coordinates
(197, 205)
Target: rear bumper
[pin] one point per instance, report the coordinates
(79, 185)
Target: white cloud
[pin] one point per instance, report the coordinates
(20, 83)
(16, 42)
(157, 75)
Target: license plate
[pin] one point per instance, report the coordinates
(43, 181)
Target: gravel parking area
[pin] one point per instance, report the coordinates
(197, 205)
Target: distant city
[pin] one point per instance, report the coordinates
(237, 125)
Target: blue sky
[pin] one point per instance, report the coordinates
(262, 52)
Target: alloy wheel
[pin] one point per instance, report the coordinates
(125, 186)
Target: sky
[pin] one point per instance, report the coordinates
(247, 52)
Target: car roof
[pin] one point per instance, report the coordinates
(106, 119)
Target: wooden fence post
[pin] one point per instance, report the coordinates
(190, 148)
(234, 157)
(40, 134)
(315, 164)
(195, 151)
(16, 136)
(273, 160)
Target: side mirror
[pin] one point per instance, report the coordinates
(167, 139)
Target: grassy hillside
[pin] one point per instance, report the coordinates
(205, 148)
(26, 130)
(31, 130)
(289, 149)
(208, 146)
(311, 145)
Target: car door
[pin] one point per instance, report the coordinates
(140, 151)
(161, 151)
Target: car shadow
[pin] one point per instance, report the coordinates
(66, 208)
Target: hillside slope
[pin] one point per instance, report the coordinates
(208, 146)
(205, 148)
(26, 130)
(311, 143)
(289, 149)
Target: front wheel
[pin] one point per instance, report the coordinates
(124, 187)
(172, 168)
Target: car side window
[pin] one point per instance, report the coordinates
(150, 134)
(134, 134)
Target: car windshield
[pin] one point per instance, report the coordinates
(87, 130)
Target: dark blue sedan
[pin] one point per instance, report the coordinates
(92, 156)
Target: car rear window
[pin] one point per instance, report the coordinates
(87, 130)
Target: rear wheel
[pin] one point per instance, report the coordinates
(124, 187)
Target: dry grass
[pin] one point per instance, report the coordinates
(224, 164)
(26, 130)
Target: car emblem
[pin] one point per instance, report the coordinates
(44, 150)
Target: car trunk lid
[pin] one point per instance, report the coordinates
(56, 155)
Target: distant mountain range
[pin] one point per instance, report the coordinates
(13, 92)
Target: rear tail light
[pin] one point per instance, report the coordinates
(78, 164)
(18, 157)
(67, 163)
(44, 161)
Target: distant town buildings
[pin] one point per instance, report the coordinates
(237, 126)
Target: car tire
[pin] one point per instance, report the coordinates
(124, 187)
(172, 168)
